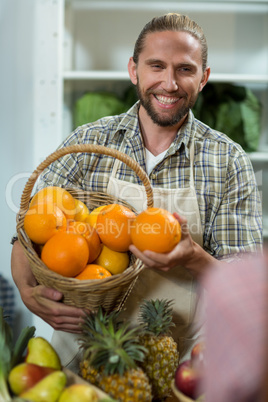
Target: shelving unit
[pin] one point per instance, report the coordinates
(92, 40)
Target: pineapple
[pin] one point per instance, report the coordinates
(110, 355)
(162, 360)
(90, 327)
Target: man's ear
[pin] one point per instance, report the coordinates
(132, 71)
(205, 78)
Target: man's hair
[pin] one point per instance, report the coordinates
(172, 22)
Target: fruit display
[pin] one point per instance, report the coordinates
(10, 353)
(162, 359)
(111, 352)
(188, 376)
(155, 229)
(64, 234)
(31, 371)
(69, 238)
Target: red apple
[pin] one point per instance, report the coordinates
(187, 379)
(25, 375)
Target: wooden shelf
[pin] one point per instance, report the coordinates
(245, 6)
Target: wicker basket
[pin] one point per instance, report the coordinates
(110, 292)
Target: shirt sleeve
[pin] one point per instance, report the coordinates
(65, 171)
(237, 225)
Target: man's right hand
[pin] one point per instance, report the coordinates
(42, 301)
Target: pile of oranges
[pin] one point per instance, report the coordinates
(75, 242)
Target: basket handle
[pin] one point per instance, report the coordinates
(26, 194)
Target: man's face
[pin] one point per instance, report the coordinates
(169, 76)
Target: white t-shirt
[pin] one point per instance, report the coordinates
(152, 161)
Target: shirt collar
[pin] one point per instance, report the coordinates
(129, 125)
(184, 136)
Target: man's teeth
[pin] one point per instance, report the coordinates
(166, 100)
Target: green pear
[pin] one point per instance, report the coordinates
(25, 375)
(42, 353)
(48, 389)
(79, 392)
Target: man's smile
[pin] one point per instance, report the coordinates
(166, 100)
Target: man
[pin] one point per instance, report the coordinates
(198, 174)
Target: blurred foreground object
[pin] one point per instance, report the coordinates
(236, 331)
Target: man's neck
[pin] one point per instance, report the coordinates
(156, 139)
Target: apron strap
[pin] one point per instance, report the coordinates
(191, 153)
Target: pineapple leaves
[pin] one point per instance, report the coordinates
(156, 316)
(109, 343)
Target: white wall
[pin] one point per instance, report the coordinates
(16, 116)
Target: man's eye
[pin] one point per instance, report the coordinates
(157, 66)
(185, 69)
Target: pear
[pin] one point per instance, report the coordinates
(48, 389)
(79, 392)
(41, 352)
(25, 375)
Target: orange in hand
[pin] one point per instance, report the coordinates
(66, 253)
(113, 226)
(91, 236)
(155, 229)
(42, 221)
(59, 196)
(93, 271)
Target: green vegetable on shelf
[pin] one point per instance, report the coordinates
(233, 110)
(94, 105)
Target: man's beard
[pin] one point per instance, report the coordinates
(170, 119)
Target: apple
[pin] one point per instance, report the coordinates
(187, 379)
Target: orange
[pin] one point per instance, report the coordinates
(66, 253)
(155, 229)
(91, 236)
(114, 261)
(81, 211)
(113, 226)
(42, 221)
(92, 217)
(59, 196)
(93, 271)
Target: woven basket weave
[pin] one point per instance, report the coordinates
(110, 292)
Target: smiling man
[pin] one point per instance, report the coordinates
(197, 173)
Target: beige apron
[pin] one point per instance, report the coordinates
(177, 284)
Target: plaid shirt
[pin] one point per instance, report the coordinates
(225, 184)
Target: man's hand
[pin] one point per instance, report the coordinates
(187, 254)
(46, 303)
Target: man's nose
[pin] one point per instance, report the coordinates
(170, 81)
